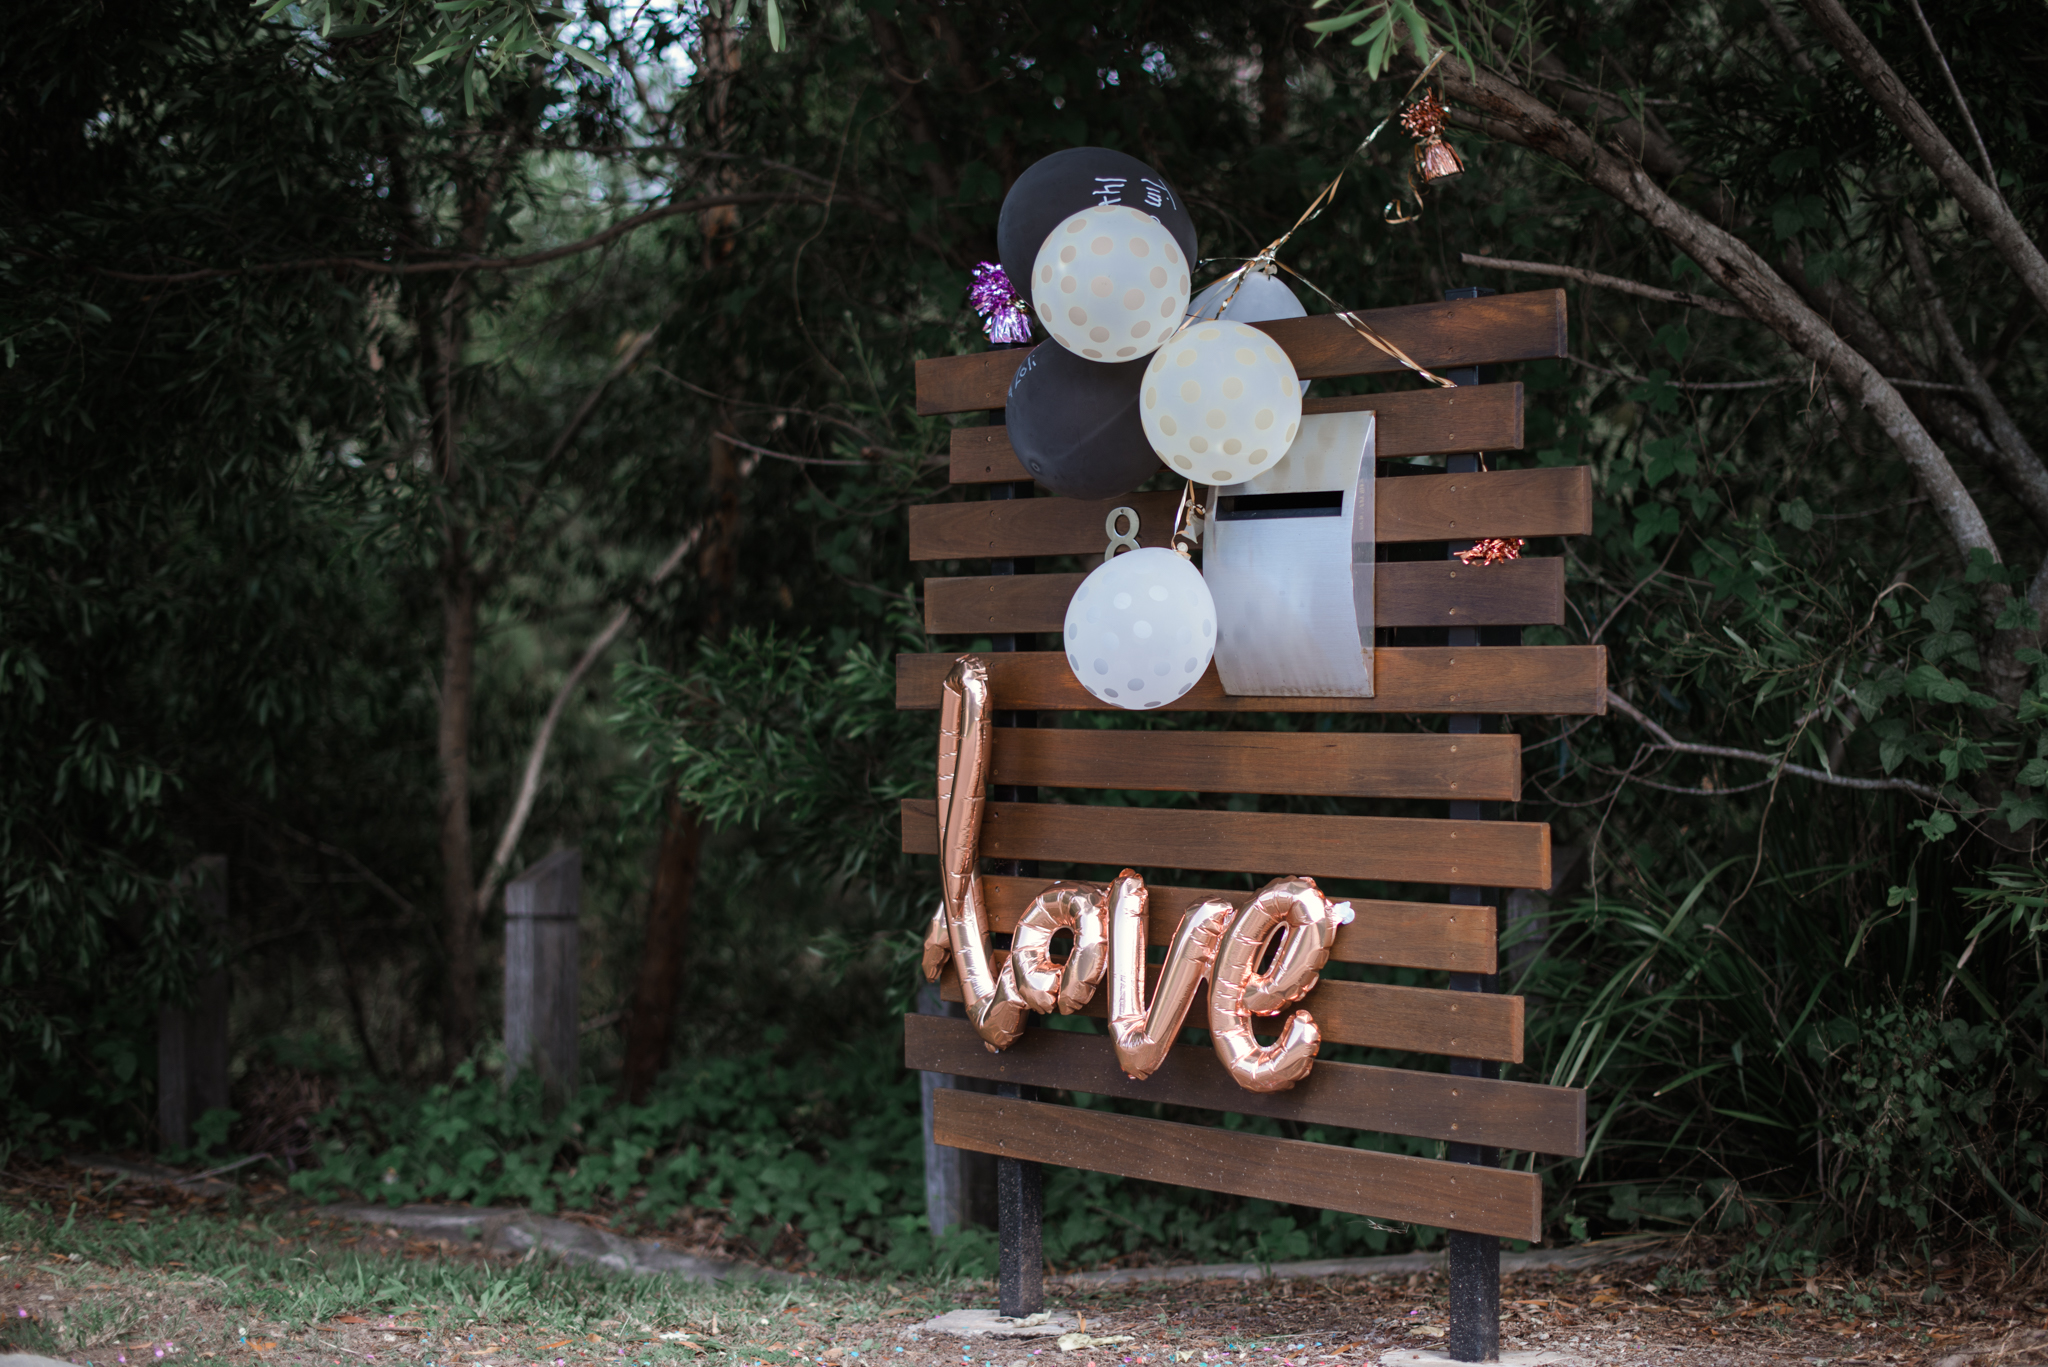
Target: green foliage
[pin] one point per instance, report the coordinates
(1923, 1104)
(826, 1146)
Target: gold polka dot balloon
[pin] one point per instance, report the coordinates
(1110, 283)
(1221, 403)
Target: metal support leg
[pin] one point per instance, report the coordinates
(1020, 1207)
(1474, 1258)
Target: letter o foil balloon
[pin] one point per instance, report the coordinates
(1055, 187)
(1222, 403)
(1110, 284)
(1141, 628)
(1074, 424)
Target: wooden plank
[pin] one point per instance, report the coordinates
(1447, 593)
(1438, 935)
(1507, 1115)
(1309, 763)
(1414, 1020)
(1557, 501)
(1412, 422)
(1423, 1191)
(1406, 593)
(1394, 849)
(1494, 330)
(1550, 681)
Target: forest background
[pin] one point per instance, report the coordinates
(437, 434)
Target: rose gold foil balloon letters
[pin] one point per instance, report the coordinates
(1214, 940)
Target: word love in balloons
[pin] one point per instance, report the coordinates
(1216, 941)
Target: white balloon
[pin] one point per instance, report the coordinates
(1261, 299)
(1110, 284)
(1221, 403)
(1141, 629)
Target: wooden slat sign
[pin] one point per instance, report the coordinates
(1248, 966)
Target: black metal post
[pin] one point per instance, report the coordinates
(1020, 1204)
(1474, 1258)
(1020, 1211)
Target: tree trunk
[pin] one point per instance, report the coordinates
(458, 885)
(650, 1020)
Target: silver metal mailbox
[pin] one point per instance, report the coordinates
(1289, 558)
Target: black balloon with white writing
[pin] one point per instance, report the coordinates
(1055, 188)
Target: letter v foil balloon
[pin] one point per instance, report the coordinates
(1144, 1034)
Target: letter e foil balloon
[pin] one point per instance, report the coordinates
(1297, 908)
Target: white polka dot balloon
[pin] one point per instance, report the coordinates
(1110, 283)
(1141, 628)
(1222, 403)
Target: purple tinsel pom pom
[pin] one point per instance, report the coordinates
(1005, 318)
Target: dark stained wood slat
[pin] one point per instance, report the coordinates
(1423, 1191)
(1551, 681)
(1438, 935)
(1550, 502)
(1501, 328)
(1310, 763)
(1413, 422)
(1406, 593)
(1508, 1115)
(1447, 593)
(1415, 1020)
(1486, 854)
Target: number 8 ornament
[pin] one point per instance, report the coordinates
(1221, 403)
(1110, 284)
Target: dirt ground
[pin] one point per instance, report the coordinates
(1986, 1315)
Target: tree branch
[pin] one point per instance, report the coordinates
(1612, 282)
(529, 780)
(1956, 91)
(1949, 166)
(2021, 464)
(468, 263)
(1667, 741)
(1494, 101)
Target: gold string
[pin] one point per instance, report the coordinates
(1268, 259)
(1265, 259)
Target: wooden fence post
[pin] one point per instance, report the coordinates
(541, 963)
(959, 1184)
(1474, 1258)
(192, 1042)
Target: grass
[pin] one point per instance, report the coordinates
(150, 1286)
(287, 1286)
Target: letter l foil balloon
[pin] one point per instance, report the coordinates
(993, 1007)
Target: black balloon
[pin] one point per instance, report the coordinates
(1074, 423)
(1057, 187)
